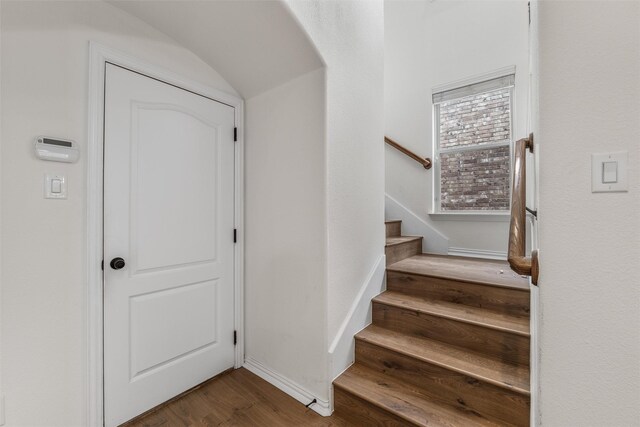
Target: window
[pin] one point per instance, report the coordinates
(473, 127)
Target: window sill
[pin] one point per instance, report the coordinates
(471, 216)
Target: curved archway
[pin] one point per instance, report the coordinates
(254, 45)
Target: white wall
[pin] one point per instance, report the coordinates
(350, 37)
(428, 44)
(2, 411)
(589, 242)
(286, 232)
(44, 91)
(322, 135)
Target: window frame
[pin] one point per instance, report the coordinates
(436, 211)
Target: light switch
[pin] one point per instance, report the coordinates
(55, 186)
(609, 172)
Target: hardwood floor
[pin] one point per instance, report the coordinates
(448, 346)
(236, 398)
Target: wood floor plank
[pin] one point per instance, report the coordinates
(459, 312)
(400, 247)
(236, 398)
(403, 401)
(514, 301)
(473, 270)
(475, 365)
(392, 228)
(362, 413)
(503, 346)
(465, 390)
(398, 240)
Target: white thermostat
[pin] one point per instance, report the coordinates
(56, 150)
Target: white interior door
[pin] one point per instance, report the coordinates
(168, 214)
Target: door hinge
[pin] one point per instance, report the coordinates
(529, 7)
(102, 265)
(235, 134)
(235, 337)
(235, 235)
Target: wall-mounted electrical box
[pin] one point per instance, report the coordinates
(56, 150)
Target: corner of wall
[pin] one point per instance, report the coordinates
(288, 386)
(342, 348)
(434, 241)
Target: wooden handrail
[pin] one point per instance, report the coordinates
(517, 230)
(425, 162)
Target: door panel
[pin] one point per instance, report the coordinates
(159, 314)
(187, 230)
(168, 211)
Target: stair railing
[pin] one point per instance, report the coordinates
(425, 162)
(517, 229)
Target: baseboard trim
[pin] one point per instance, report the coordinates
(322, 407)
(342, 348)
(478, 253)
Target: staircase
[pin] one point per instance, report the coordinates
(448, 346)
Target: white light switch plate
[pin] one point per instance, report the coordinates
(602, 166)
(49, 180)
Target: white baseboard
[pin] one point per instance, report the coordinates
(342, 348)
(478, 253)
(412, 225)
(322, 407)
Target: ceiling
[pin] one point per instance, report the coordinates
(255, 45)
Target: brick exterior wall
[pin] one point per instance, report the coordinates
(477, 179)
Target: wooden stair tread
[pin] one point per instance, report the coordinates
(398, 240)
(458, 312)
(472, 270)
(403, 401)
(475, 365)
(392, 221)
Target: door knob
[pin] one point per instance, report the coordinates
(117, 263)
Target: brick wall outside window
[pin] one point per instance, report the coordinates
(476, 179)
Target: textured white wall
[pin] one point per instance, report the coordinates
(589, 242)
(44, 91)
(2, 417)
(428, 44)
(43, 306)
(285, 213)
(350, 37)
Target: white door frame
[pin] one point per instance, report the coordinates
(98, 57)
(533, 126)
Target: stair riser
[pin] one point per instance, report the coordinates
(502, 345)
(362, 413)
(456, 389)
(393, 228)
(401, 251)
(497, 299)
